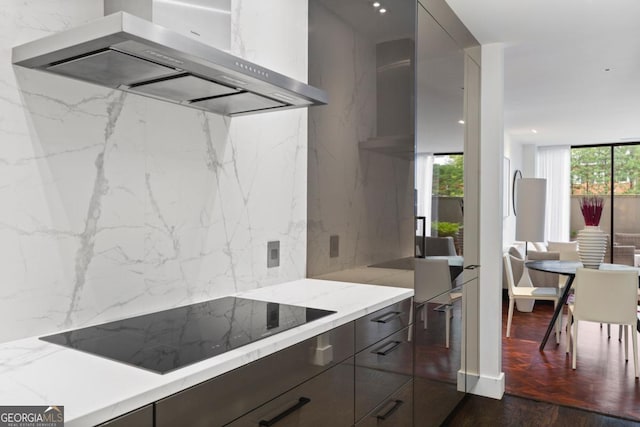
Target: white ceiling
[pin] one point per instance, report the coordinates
(556, 53)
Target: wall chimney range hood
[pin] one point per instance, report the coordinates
(125, 52)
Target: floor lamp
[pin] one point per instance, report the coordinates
(531, 194)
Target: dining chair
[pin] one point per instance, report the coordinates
(607, 296)
(433, 285)
(530, 293)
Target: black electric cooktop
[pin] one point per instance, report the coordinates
(172, 339)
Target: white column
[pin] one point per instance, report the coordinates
(491, 381)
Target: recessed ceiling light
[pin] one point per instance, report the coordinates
(534, 131)
(376, 4)
(383, 10)
(461, 122)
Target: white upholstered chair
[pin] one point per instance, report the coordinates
(433, 285)
(531, 293)
(607, 296)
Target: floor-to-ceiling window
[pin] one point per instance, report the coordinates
(612, 172)
(448, 197)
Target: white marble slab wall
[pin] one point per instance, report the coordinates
(112, 204)
(364, 197)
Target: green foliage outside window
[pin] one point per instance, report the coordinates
(627, 169)
(591, 170)
(444, 229)
(448, 176)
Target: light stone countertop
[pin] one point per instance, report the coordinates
(93, 389)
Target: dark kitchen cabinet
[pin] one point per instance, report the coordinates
(325, 400)
(386, 364)
(142, 417)
(381, 369)
(382, 323)
(396, 411)
(229, 396)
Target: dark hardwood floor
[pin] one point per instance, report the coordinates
(477, 411)
(603, 381)
(554, 394)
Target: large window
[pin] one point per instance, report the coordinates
(612, 172)
(448, 197)
(448, 175)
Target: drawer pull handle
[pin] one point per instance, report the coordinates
(396, 405)
(387, 317)
(394, 346)
(301, 402)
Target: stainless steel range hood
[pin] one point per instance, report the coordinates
(126, 52)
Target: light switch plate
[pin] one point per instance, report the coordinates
(273, 254)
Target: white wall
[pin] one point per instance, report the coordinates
(513, 151)
(529, 164)
(112, 204)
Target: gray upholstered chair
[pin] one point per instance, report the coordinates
(438, 246)
(543, 278)
(622, 254)
(628, 239)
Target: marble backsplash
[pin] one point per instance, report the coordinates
(112, 204)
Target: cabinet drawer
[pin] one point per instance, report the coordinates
(142, 417)
(325, 400)
(231, 395)
(396, 411)
(381, 369)
(375, 326)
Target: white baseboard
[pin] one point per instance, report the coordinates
(492, 387)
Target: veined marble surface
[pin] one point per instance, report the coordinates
(113, 204)
(93, 389)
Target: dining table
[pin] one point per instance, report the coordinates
(567, 268)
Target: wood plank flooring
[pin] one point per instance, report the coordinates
(603, 381)
(477, 411)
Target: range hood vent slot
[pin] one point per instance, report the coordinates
(110, 68)
(244, 101)
(182, 88)
(126, 52)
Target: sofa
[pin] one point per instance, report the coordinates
(550, 251)
(624, 249)
(627, 239)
